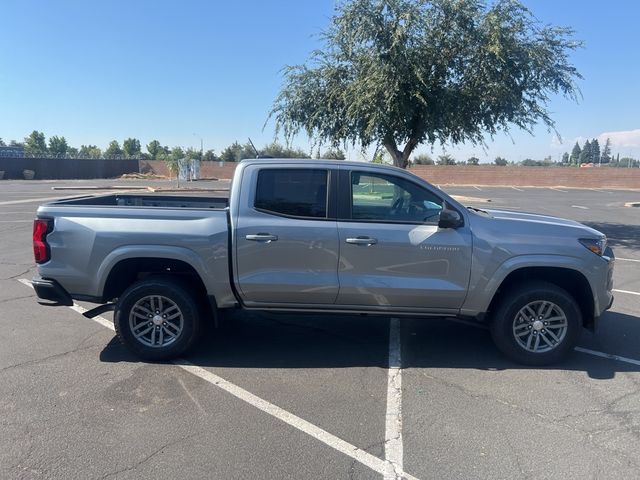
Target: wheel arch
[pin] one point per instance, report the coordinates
(571, 280)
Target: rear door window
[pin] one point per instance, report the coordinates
(296, 192)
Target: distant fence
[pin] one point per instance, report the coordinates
(67, 168)
(474, 175)
(595, 177)
(71, 168)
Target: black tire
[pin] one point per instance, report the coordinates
(176, 295)
(506, 320)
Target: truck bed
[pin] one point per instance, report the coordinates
(162, 201)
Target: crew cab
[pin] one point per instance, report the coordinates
(322, 236)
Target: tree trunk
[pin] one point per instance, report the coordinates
(400, 158)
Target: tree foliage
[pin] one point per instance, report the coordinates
(595, 151)
(154, 147)
(58, 145)
(400, 73)
(606, 152)
(193, 154)
(585, 153)
(446, 159)
(35, 143)
(473, 161)
(131, 147)
(423, 159)
(500, 161)
(210, 156)
(90, 151)
(333, 153)
(575, 153)
(277, 150)
(113, 149)
(236, 152)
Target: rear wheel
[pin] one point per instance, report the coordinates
(536, 324)
(157, 319)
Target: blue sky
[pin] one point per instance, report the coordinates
(97, 71)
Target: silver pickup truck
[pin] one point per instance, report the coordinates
(322, 236)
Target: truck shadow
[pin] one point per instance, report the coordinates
(264, 340)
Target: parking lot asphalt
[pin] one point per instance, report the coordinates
(291, 396)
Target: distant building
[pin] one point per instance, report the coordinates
(12, 151)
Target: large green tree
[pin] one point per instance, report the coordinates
(154, 148)
(113, 149)
(595, 151)
(575, 153)
(333, 154)
(131, 147)
(58, 145)
(35, 143)
(277, 150)
(585, 154)
(399, 73)
(606, 151)
(89, 151)
(236, 152)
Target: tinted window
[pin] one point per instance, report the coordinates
(297, 192)
(392, 199)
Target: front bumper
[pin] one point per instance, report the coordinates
(50, 292)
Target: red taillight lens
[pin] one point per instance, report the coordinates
(40, 247)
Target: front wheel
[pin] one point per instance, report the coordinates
(536, 324)
(157, 319)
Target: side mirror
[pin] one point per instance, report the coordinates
(450, 218)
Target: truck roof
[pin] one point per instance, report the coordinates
(317, 161)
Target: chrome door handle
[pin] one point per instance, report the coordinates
(362, 241)
(262, 237)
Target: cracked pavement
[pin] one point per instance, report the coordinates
(75, 404)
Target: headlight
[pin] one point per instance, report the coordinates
(596, 245)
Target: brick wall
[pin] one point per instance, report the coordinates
(477, 175)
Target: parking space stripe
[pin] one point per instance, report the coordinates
(384, 467)
(607, 355)
(518, 189)
(393, 450)
(628, 259)
(477, 188)
(77, 308)
(629, 292)
(557, 189)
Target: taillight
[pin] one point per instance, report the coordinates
(40, 248)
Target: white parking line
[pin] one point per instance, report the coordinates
(557, 189)
(393, 450)
(383, 467)
(580, 206)
(77, 308)
(477, 188)
(518, 189)
(627, 292)
(628, 259)
(607, 355)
